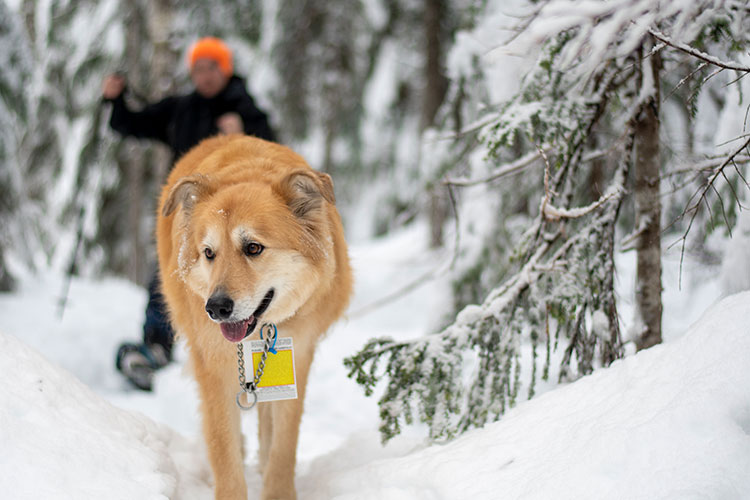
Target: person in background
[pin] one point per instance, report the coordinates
(219, 104)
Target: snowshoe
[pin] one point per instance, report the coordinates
(138, 362)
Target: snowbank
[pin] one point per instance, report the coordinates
(60, 440)
(670, 422)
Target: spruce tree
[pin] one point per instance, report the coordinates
(16, 65)
(584, 110)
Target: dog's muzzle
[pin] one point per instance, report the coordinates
(220, 307)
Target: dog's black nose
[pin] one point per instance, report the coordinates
(219, 307)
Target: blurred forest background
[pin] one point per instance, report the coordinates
(315, 66)
(538, 141)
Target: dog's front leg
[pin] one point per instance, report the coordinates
(221, 429)
(265, 426)
(278, 473)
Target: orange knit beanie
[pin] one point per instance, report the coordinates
(211, 48)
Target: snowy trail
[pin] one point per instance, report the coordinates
(78, 352)
(672, 422)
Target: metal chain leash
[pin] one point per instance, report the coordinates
(251, 387)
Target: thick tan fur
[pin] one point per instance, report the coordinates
(225, 192)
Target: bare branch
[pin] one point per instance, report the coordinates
(705, 81)
(702, 198)
(396, 294)
(684, 80)
(721, 206)
(518, 165)
(420, 280)
(630, 241)
(738, 138)
(720, 171)
(735, 195)
(507, 169)
(739, 172)
(706, 166)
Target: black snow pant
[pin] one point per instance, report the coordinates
(157, 328)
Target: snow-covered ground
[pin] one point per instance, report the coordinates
(671, 422)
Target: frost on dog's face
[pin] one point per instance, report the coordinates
(253, 252)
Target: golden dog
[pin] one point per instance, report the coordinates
(249, 234)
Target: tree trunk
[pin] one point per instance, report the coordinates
(133, 155)
(147, 163)
(164, 66)
(436, 85)
(165, 63)
(648, 206)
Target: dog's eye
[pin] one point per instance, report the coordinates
(253, 249)
(209, 254)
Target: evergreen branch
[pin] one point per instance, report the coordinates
(552, 213)
(425, 374)
(565, 276)
(692, 51)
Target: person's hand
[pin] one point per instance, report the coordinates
(230, 123)
(113, 86)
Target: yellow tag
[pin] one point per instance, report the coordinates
(279, 368)
(279, 380)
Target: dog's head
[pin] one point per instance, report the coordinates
(254, 251)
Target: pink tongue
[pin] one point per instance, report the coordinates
(235, 332)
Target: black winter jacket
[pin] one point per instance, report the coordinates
(181, 122)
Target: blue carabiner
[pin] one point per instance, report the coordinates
(272, 349)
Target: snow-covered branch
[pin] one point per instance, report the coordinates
(553, 213)
(708, 58)
(542, 275)
(608, 30)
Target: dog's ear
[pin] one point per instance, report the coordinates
(326, 184)
(305, 191)
(187, 192)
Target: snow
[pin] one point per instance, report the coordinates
(61, 440)
(735, 273)
(671, 422)
(608, 29)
